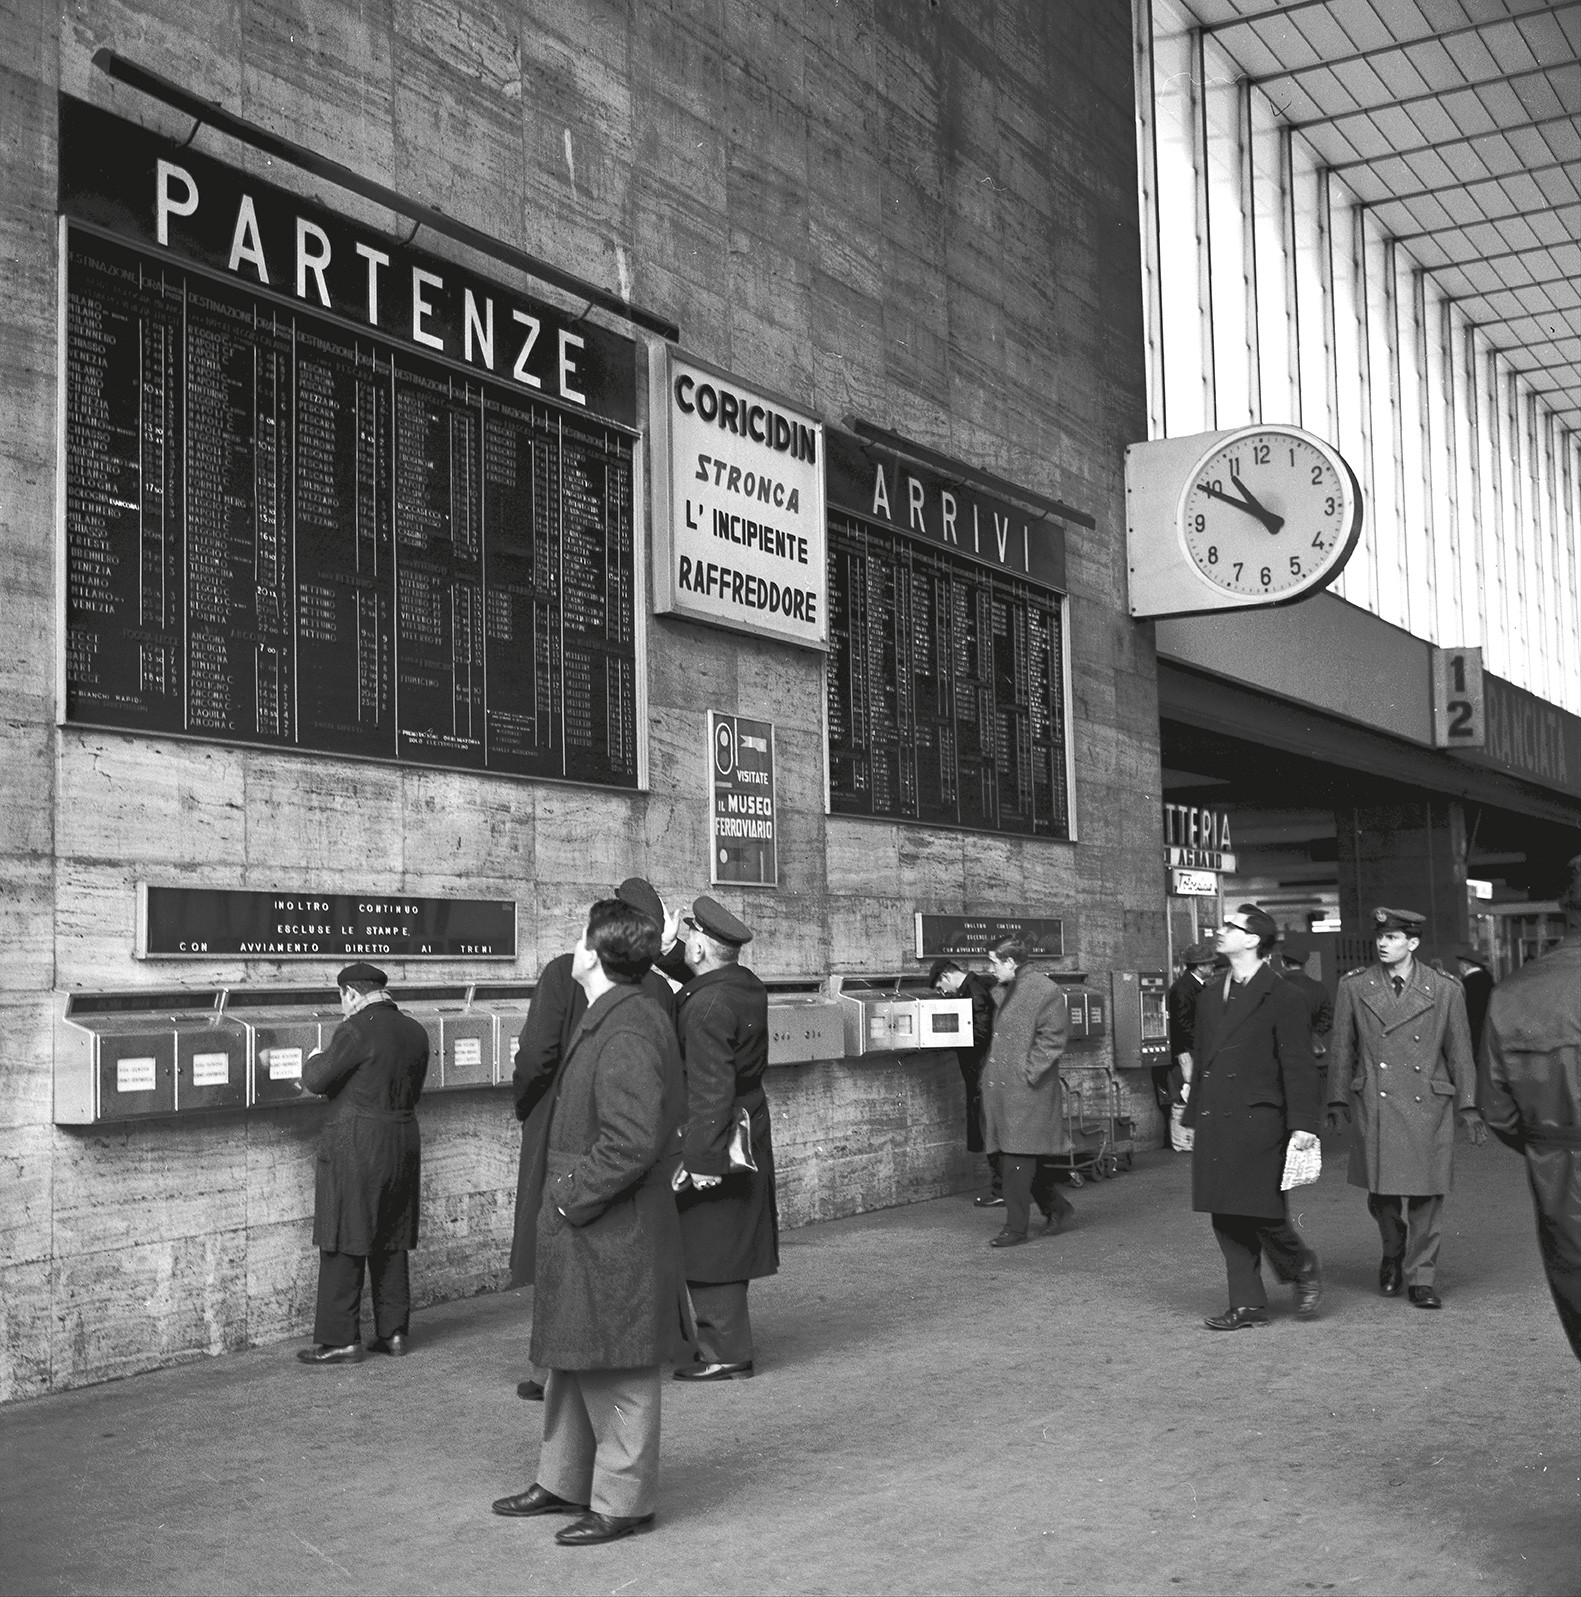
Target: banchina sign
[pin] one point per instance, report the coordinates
(134, 184)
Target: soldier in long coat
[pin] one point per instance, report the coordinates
(609, 1299)
(1022, 1095)
(366, 1190)
(729, 1215)
(1254, 1091)
(1400, 1065)
(558, 1005)
(1529, 1090)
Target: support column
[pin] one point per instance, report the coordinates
(1407, 856)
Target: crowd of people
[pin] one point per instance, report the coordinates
(646, 1196)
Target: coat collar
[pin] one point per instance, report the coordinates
(596, 1014)
(1257, 989)
(725, 975)
(1421, 993)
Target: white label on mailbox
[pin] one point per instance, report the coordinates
(516, 1043)
(285, 1064)
(469, 1052)
(903, 1025)
(211, 1070)
(877, 1027)
(134, 1075)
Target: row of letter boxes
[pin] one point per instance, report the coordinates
(889, 1018)
(128, 1056)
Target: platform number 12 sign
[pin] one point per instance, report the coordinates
(1459, 713)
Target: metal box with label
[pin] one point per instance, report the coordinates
(211, 1061)
(944, 1022)
(284, 1030)
(507, 1007)
(879, 1022)
(804, 1027)
(113, 1059)
(1075, 1014)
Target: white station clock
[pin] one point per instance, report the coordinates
(1236, 520)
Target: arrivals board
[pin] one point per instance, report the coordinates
(281, 530)
(946, 681)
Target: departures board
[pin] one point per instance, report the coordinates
(946, 699)
(282, 530)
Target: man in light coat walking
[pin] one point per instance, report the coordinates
(608, 1307)
(1400, 1065)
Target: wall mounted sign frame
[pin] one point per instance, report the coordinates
(962, 935)
(743, 842)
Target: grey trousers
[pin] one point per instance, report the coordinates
(601, 1439)
(1412, 1229)
(724, 1324)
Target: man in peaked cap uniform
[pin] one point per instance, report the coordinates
(1529, 1087)
(1400, 1065)
(729, 1217)
(365, 1200)
(558, 1004)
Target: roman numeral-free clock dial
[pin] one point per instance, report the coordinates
(1268, 512)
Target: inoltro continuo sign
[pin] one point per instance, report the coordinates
(742, 545)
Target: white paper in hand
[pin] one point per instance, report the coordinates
(1302, 1165)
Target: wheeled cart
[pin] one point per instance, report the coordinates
(1098, 1132)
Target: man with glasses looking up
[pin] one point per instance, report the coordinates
(1255, 1090)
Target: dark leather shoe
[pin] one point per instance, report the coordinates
(593, 1528)
(1236, 1319)
(1390, 1278)
(1424, 1297)
(1008, 1239)
(714, 1372)
(322, 1354)
(530, 1390)
(394, 1345)
(990, 1200)
(536, 1500)
(1309, 1290)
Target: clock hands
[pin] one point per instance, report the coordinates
(1248, 502)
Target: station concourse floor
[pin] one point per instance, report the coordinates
(931, 1415)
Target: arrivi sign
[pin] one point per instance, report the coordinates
(743, 544)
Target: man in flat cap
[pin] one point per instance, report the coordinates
(729, 1217)
(1172, 1082)
(1255, 1092)
(365, 1200)
(1400, 1065)
(558, 1004)
(1529, 1089)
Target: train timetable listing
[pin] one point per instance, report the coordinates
(946, 693)
(282, 530)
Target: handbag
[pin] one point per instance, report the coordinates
(740, 1149)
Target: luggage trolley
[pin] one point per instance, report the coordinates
(1098, 1132)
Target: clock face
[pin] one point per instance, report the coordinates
(1268, 512)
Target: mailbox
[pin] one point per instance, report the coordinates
(1141, 1019)
(508, 1006)
(1076, 1029)
(211, 1060)
(803, 1027)
(460, 1037)
(944, 1022)
(879, 1021)
(115, 1058)
(284, 1029)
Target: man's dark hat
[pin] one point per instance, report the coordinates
(1398, 920)
(1198, 954)
(640, 896)
(362, 972)
(709, 915)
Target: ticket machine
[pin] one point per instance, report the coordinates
(1141, 1019)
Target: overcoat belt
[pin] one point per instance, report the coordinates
(1403, 1064)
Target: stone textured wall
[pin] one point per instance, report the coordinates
(922, 214)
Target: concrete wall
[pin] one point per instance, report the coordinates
(925, 216)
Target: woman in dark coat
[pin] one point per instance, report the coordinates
(1022, 1098)
(1254, 1089)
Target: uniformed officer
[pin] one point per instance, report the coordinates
(1400, 1062)
(365, 1201)
(1529, 1089)
(729, 1218)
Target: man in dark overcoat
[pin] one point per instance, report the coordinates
(1254, 1093)
(1400, 1065)
(729, 1215)
(1180, 1005)
(609, 1302)
(366, 1190)
(951, 980)
(1529, 1089)
(558, 1004)
(1320, 1007)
